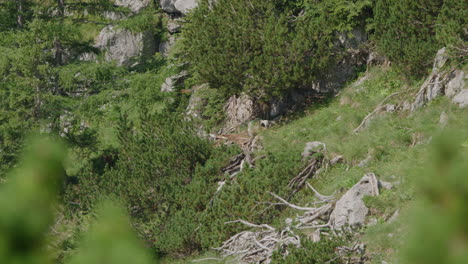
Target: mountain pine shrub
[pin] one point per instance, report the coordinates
(260, 48)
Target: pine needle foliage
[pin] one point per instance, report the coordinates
(261, 47)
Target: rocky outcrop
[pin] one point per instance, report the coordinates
(350, 210)
(125, 47)
(134, 5)
(442, 82)
(178, 6)
(239, 110)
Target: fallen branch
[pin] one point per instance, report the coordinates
(284, 202)
(297, 182)
(319, 196)
(376, 110)
(250, 224)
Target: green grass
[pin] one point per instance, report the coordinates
(389, 140)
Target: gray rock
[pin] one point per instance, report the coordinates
(239, 110)
(173, 26)
(168, 6)
(178, 6)
(350, 209)
(461, 99)
(123, 46)
(386, 185)
(312, 148)
(455, 84)
(134, 5)
(441, 82)
(440, 59)
(184, 6)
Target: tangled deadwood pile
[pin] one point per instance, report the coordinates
(258, 246)
(331, 216)
(238, 162)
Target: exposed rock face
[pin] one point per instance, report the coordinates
(178, 6)
(350, 209)
(134, 5)
(123, 46)
(450, 83)
(239, 110)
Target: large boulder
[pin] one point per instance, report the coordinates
(125, 47)
(442, 82)
(350, 210)
(178, 6)
(134, 5)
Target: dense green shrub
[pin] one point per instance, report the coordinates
(440, 217)
(410, 32)
(451, 27)
(27, 202)
(258, 47)
(25, 223)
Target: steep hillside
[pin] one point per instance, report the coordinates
(245, 131)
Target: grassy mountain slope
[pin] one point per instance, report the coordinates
(395, 144)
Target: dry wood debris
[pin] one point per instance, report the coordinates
(258, 244)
